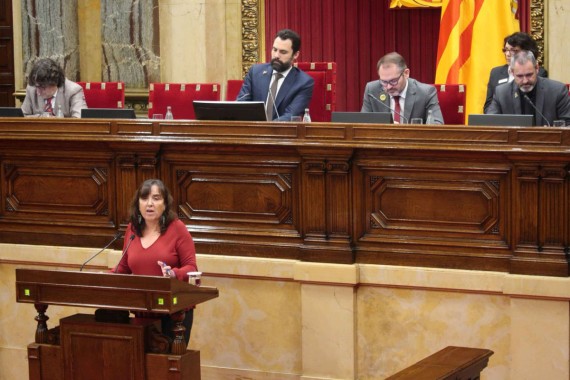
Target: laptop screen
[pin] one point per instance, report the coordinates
(11, 112)
(503, 120)
(108, 113)
(229, 110)
(362, 117)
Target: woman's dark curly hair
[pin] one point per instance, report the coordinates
(46, 72)
(137, 221)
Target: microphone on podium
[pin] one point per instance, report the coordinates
(117, 236)
(390, 109)
(525, 96)
(131, 238)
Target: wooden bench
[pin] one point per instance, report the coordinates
(457, 363)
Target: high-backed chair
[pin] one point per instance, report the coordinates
(324, 94)
(104, 94)
(232, 88)
(180, 97)
(452, 102)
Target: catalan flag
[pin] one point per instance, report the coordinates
(470, 41)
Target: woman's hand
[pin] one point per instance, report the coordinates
(166, 270)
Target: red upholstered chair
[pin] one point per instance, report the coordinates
(232, 88)
(452, 102)
(324, 94)
(179, 96)
(104, 94)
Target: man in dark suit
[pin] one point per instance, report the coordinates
(530, 94)
(48, 92)
(397, 92)
(293, 88)
(513, 44)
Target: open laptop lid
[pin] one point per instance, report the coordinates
(229, 110)
(504, 120)
(362, 117)
(108, 113)
(11, 112)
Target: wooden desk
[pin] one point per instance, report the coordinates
(486, 198)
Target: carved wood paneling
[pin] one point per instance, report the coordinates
(486, 198)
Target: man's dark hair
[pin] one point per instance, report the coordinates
(288, 34)
(523, 41)
(392, 59)
(46, 72)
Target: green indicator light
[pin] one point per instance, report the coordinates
(161, 301)
(27, 292)
(175, 300)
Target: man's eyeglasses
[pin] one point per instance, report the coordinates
(512, 51)
(391, 82)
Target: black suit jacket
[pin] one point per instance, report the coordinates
(500, 75)
(552, 100)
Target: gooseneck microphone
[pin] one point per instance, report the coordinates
(390, 109)
(131, 238)
(241, 97)
(525, 96)
(117, 236)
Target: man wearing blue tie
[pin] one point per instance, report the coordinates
(285, 89)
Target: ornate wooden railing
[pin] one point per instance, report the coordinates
(450, 363)
(486, 198)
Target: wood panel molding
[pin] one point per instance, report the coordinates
(485, 198)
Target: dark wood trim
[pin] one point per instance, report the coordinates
(484, 198)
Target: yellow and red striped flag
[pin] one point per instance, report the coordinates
(471, 37)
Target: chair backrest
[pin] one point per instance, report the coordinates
(104, 94)
(452, 102)
(323, 102)
(179, 96)
(232, 88)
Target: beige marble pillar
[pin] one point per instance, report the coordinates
(328, 306)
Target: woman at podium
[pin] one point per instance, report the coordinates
(157, 243)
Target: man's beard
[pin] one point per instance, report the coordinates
(279, 66)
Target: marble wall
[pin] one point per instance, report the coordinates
(49, 29)
(283, 319)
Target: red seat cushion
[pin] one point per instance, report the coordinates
(324, 93)
(452, 102)
(232, 88)
(104, 94)
(180, 97)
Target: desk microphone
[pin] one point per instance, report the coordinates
(117, 236)
(241, 97)
(125, 251)
(525, 96)
(390, 109)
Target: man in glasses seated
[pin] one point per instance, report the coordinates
(529, 94)
(513, 44)
(396, 92)
(49, 93)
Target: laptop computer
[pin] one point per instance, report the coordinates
(11, 112)
(108, 113)
(503, 120)
(229, 110)
(362, 117)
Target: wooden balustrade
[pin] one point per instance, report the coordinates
(451, 363)
(485, 198)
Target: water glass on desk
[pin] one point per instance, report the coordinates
(158, 116)
(416, 120)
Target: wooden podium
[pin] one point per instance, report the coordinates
(84, 347)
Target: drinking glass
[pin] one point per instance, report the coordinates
(158, 116)
(416, 120)
(559, 123)
(296, 119)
